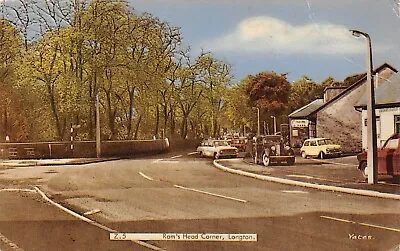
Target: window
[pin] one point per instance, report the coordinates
(313, 143)
(397, 123)
(378, 126)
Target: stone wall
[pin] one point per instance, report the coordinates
(341, 122)
(81, 149)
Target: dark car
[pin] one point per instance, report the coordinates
(239, 143)
(388, 158)
(270, 148)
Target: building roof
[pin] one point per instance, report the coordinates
(386, 95)
(343, 93)
(355, 85)
(306, 110)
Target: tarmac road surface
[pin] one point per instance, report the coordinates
(27, 222)
(187, 195)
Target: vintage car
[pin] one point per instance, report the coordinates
(321, 148)
(239, 143)
(216, 149)
(270, 148)
(388, 158)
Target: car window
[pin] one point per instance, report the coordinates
(221, 143)
(392, 144)
(325, 142)
(313, 143)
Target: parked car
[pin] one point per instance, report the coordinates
(270, 148)
(321, 148)
(239, 143)
(388, 158)
(216, 149)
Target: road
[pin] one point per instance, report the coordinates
(186, 194)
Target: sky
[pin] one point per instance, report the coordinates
(299, 37)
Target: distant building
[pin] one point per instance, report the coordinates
(302, 123)
(387, 109)
(334, 116)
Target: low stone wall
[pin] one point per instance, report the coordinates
(184, 144)
(81, 149)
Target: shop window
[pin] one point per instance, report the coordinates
(397, 123)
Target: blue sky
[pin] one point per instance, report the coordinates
(301, 37)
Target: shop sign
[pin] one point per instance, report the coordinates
(300, 123)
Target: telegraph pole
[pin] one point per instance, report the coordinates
(98, 140)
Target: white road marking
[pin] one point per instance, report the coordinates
(212, 194)
(83, 218)
(94, 211)
(300, 176)
(145, 176)
(295, 191)
(164, 161)
(17, 190)
(361, 223)
(192, 153)
(174, 157)
(157, 160)
(336, 219)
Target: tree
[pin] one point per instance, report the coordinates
(12, 120)
(268, 90)
(216, 77)
(302, 92)
(239, 113)
(351, 79)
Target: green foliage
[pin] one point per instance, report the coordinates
(147, 83)
(303, 92)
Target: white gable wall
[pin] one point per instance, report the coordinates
(385, 125)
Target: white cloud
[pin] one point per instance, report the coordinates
(266, 34)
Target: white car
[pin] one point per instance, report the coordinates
(321, 148)
(216, 149)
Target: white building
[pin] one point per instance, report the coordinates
(387, 109)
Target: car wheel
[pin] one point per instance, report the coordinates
(266, 159)
(216, 156)
(201, 154)
(304, 155)
(363, 169)
(321, 155)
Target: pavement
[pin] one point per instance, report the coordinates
(335, 174)
(50, 162)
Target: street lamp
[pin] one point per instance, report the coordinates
(274, 118)
(258, 120)
(371, 116)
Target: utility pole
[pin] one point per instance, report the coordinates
(258, 121)
(98, 140)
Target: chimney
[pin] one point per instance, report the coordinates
(331, 92)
